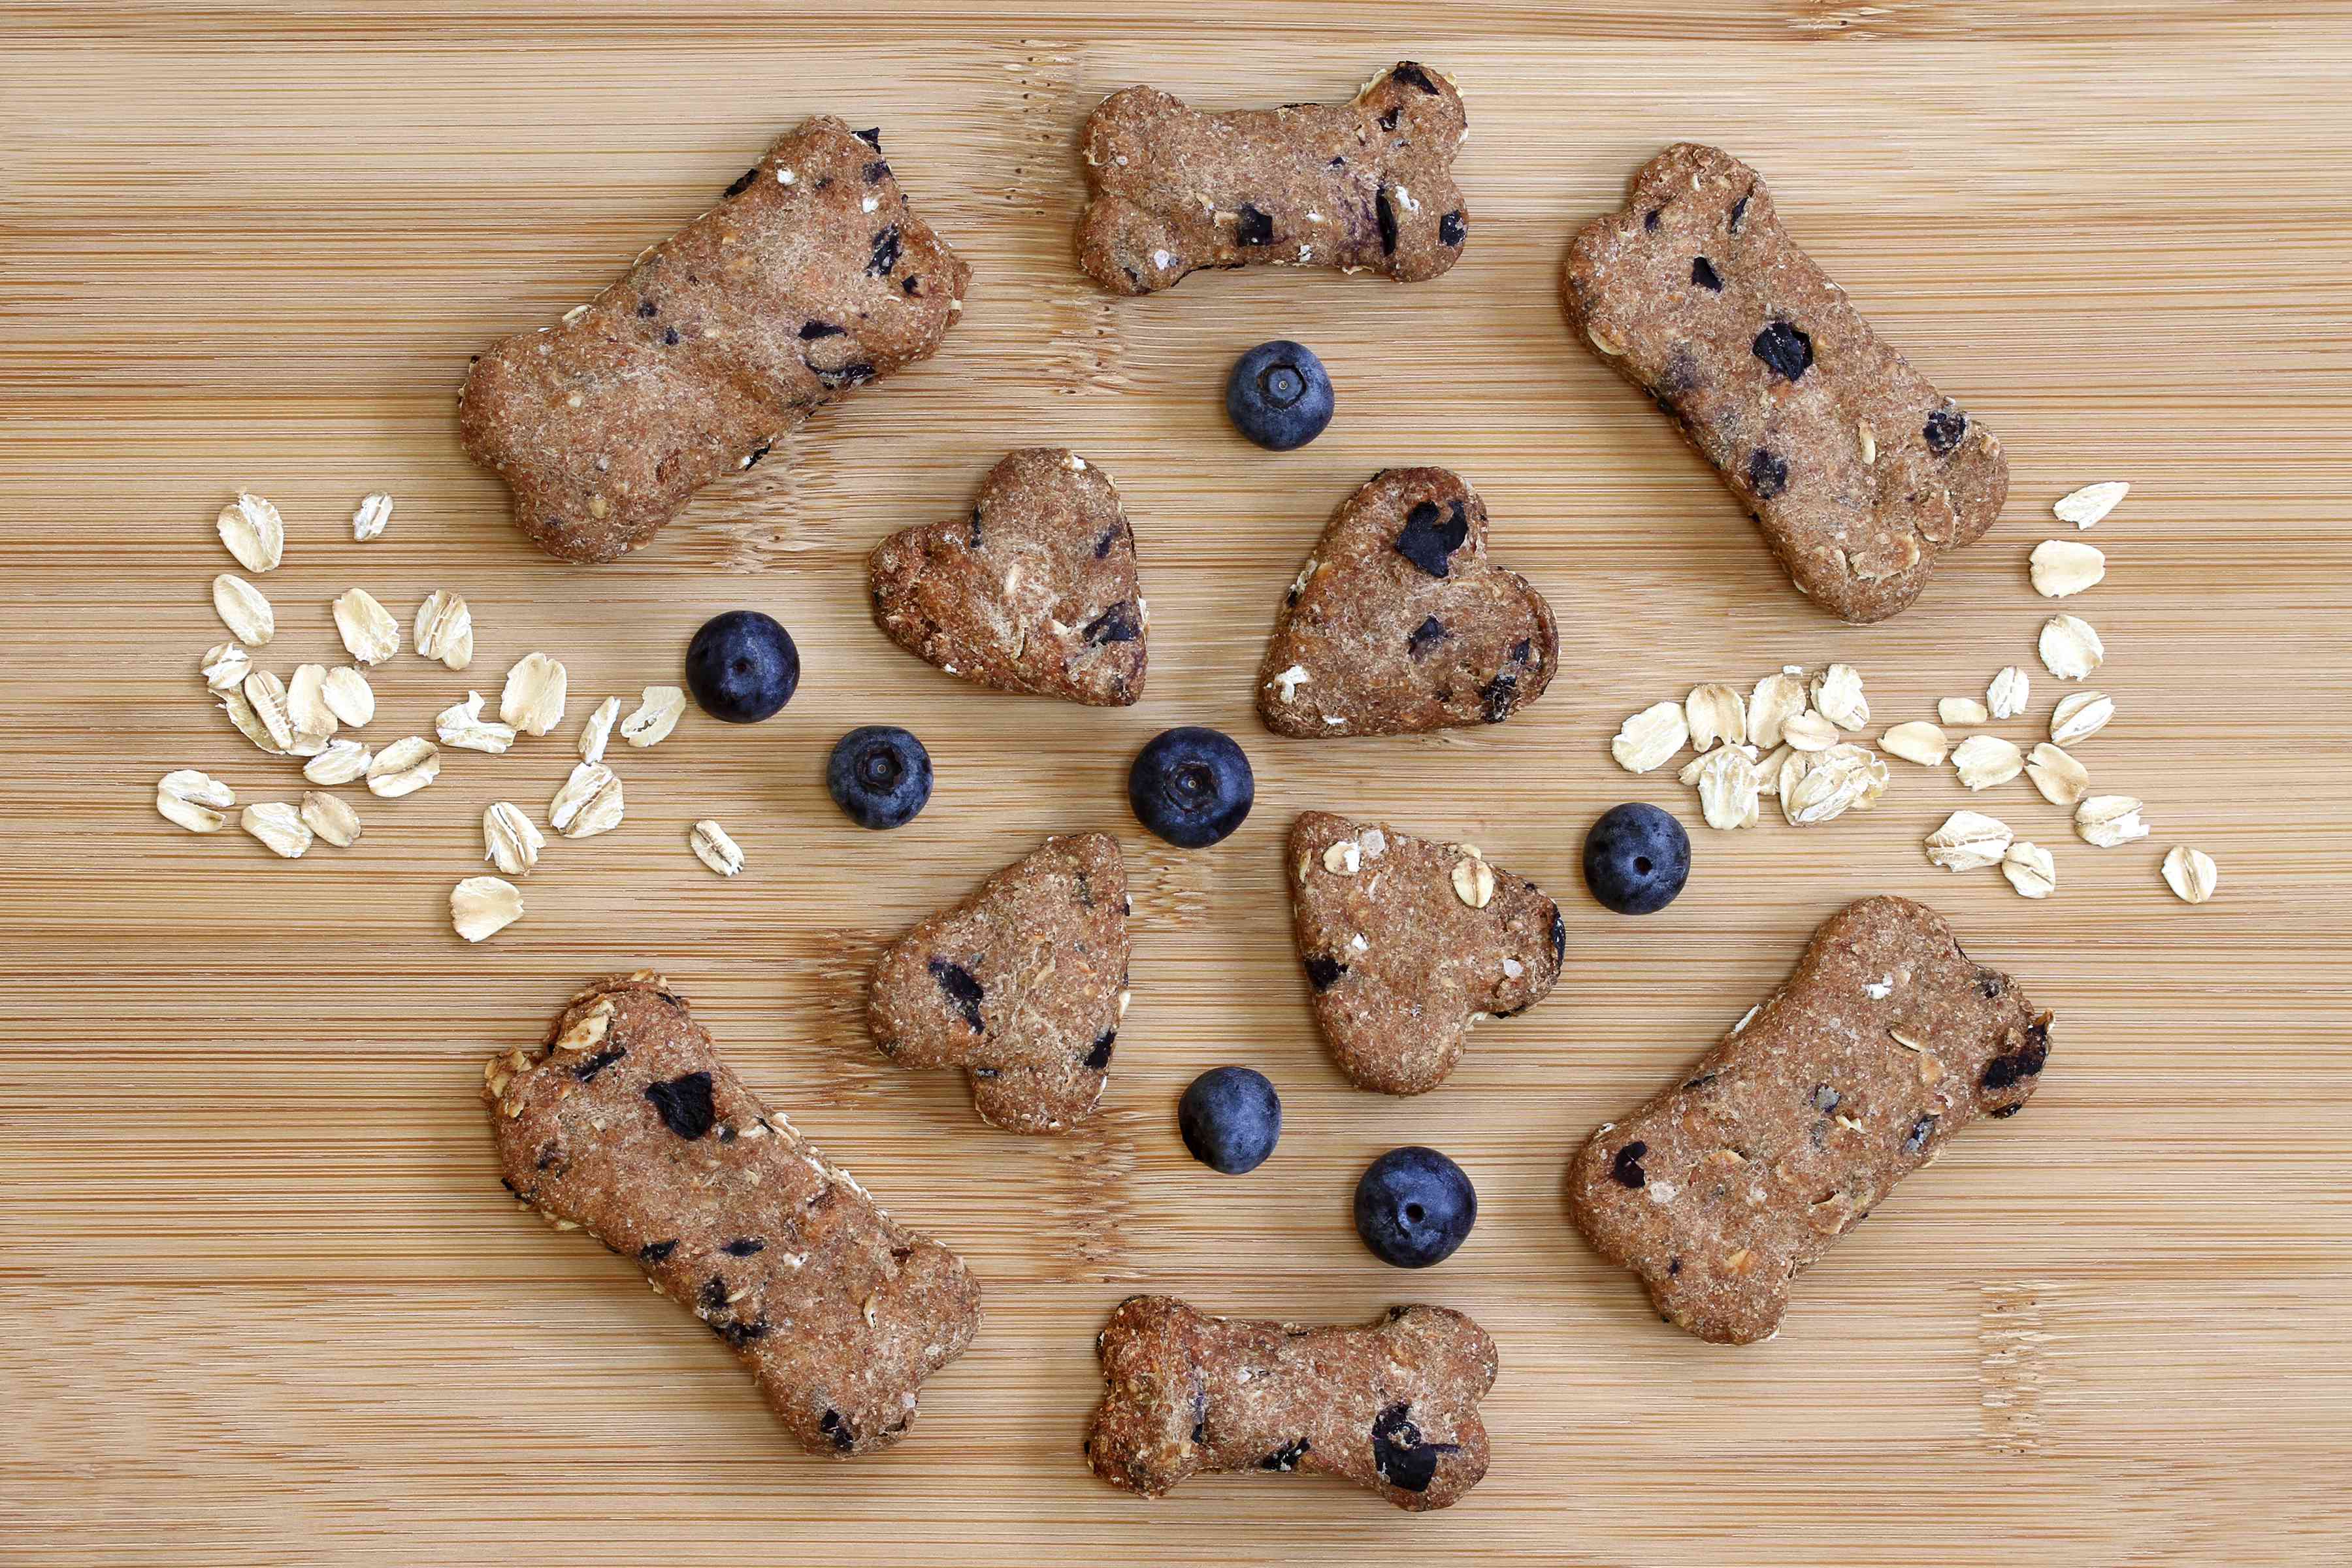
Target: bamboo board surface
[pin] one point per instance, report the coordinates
(261, 1300)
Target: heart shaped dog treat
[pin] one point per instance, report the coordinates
(1035, 592)
(1408, 944)
(1398, 622)
(1023, 985)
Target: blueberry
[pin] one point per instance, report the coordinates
(1279, 396)
(1415, 1206)
(881, 776)
(743, 666)
(1191, 787)
(1636, 858)
(1230, 1118)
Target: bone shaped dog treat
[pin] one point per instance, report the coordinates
(1023, 985)
(1859, 472)
(1407, 943)
(811, 277)
(626, 1124)
(1035, 592)
(1392, 1407)
(1361, 185)
(1398, 623)
(1887, 1041)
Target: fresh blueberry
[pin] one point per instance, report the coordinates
(743, 666)
(1230, 1118)
(881, 776)
(1636, 858)
(1415, 1206)
(1191, 787)
(1279, 396)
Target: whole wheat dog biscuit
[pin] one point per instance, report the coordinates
(626, 1124)
(1023, 984)
(810, 278)
(1408, 944)
(1392, 1405)
(1035, 592)
(1859, 472)
(1362, 186)
(1398, 622)
(1887, 1041)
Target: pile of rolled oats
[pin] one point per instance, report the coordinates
(306, 718)
(1819, 775)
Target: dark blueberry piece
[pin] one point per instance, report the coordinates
(1384, 214)
(1703, 273)
(1103, 546)
(1674, 1267)
(1098, 1058)
(879, 775)
(872, 138)
(743, 183)
(1944, 430)
(743, 666)
(1825, 1099)
(1702, 1080)
(847, 376)
(972, 535)
(669, 337)
(1389, 117)
(684, 1103)
(740, 1334)
(1323, 971)
(812, 330)
(1649, 221)
(1916, 1139)
(727, 1135)
(587, 1068)
(1117, 623)
(1451, 230)
(1786, 348)
(657, 1251)
(1424, 637)
(1636, 858)
(834, 1426)
(964, 992)
(985, 1073)
(713, 1296)
(2003, 1112)
(1499, 696)
(1430, 537)
(647, 309)
(1398, 1455)
(1415, 1206)
(876, 171)
(1558, 937)
(1739, 211)
(1229, 1119)
(1627, 1166)
(1251, 227)
(1334, 163)
(744, 1246)
(2013, 1068)
(1991, 984)
(1279, 396)
(886, 252)
(1412, 75)
(1191, 787)
(1284, 1459)
(1767, 475)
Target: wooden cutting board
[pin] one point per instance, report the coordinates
(261, 1300)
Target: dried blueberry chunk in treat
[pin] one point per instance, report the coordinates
(1392, 1405)
(1786, 348)
(1047, 935)
(1703, 274)
(1430, 538)
(1451, 229)
(886, 252)
(1768, 473)
(749, 1234)
(1251, 227)
(1883, 1046)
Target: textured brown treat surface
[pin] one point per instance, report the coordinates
(1023, 985)
(626, 1124)
(1401, 959)
(1399, 623)
(1366, 184)
(1392, 1407)
(1859, 472)
(713, 345)
(1035, 592)
(1886, 1040)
